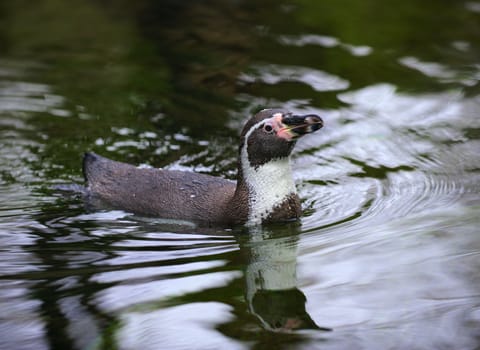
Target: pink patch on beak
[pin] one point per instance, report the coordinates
(281, 130)
(285, 134)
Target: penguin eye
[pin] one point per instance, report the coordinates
(268, 128)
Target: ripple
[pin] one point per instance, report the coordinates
(272, 74)
(439, 71)
(409, 192)
(20, 318)
(127, 295)
(18, 96)
(165, 328)
(339, 202)
(324, 41)
(151, 272)
(381, 162)
(375, 201)
(361, 264)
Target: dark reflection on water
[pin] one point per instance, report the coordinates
(387, 254)
(271, 281)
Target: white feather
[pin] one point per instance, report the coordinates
(269, 184)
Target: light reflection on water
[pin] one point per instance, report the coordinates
(274, 74)
(397, 155)
(387, 255)
(369, 287)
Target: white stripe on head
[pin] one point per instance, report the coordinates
(269, 184)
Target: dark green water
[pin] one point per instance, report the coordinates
(387, 255)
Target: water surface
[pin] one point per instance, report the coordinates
(387, 254)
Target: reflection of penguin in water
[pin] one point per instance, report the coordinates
(270, 275)
(282, 310)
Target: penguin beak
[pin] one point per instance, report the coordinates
(295, 126)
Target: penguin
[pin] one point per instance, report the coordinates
(264, 191)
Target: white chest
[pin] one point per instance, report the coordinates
(269, 185)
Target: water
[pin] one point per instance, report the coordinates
(387, 254)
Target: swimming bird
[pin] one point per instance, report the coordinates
(264, 191)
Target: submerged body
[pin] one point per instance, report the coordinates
(264, 191)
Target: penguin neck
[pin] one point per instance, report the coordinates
(267, 186)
